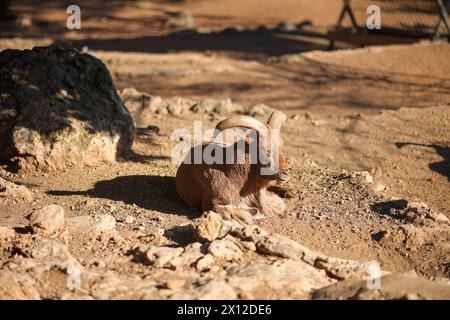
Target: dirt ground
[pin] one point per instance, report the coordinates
(384, 110)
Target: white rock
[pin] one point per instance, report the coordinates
(48, 219)
(104, 223)
(129, 219)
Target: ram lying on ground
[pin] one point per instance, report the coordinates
(237, 189)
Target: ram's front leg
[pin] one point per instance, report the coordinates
(231, 212)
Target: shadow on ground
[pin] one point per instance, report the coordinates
(390, 208)
(248, 43)
(441, 167)
(147, 192)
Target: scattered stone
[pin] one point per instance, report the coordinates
(205, 263)
(438, 217)
(48, 219)
(129, 219)
(163, 257)
(208, 226)
(192, 253)
(392, 286)
(277, 280)
(286, 26)
(91, 227)
(175, 283)
(305, 25)
(6, 233)
(52, 250)
(141, 105)
(225, 249)
(89, 123)
(104, 223)
(362, 177)
(11, 192)
(379, 187)
(17, 287)
(183, 20)
(208, 289)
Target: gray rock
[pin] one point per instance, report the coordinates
(59, 108)
(49, 219)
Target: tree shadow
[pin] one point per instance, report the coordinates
(147, 192)
(441, 167)
(251, 43)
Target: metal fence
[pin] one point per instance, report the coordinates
(420, 18)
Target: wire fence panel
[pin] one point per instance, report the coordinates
(414, 17)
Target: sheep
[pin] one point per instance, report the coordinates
(237, 190)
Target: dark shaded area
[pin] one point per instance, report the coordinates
(5, 13)
(441, 167)
(377, 236)
(252, 43)
(390, 208)
(23, 230)
(147, 192)
(182, 235)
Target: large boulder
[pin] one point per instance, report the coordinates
(59, 108)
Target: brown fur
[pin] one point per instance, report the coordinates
(236, 191)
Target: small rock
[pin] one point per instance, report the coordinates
(6, 233)
(182, 19)
(437, 217)
(192, 253)
(11, 192)
(286, 26)
(363, 176)
(205, 263)
(162, 257)
(305, 25)
(379, 187)
(89, 202)
(104, 223)
(174, 283)
(129, 219)
(225, 249)
(208, 226)
(91, 226)
(48, 219)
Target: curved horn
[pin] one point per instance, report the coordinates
(275, 120)
(243, 121)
